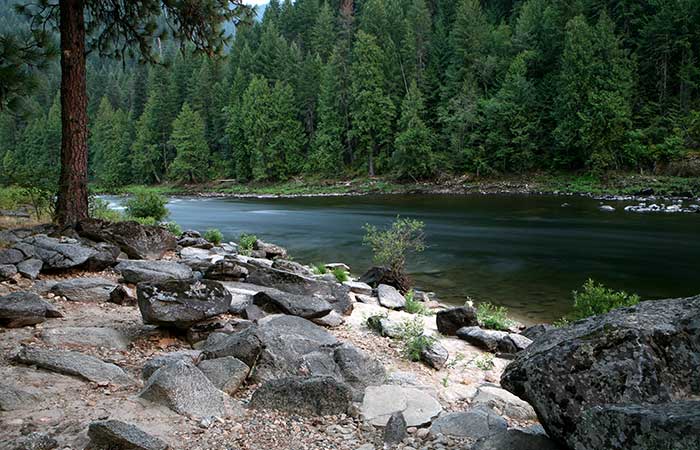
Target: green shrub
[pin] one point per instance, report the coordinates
(147, 203)
(214, 236)
(340, 274)
(174, 228)
(597, 299)
(493, 317)
(391, 246)
(246, 242)
(319, 269)
(414, 306)
(414, 346)
(147, 221)
(98, 208)
(485, 362)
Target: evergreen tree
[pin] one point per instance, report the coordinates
(323, 34)
(414, 157)
(372, 110)
(191, 163)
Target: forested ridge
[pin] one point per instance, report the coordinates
(413, 88)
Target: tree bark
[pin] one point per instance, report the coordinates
(72, 202)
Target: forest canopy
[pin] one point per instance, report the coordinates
(411, 88)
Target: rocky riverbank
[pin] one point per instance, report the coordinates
(123, 336)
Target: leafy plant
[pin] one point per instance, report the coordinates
(246, 242)
(414, 306)
(174, 228)
(597, 299)
(319, 269)
(147, 221)
(414, 346)
(146, 203)
(214, 236)
(485, 362)
(493, 317)
(98, 208)
(340, 274)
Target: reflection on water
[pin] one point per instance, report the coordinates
(525, 252)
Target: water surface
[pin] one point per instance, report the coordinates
(524, 252)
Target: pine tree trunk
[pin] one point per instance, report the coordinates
(72, 203)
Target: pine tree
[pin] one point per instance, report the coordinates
(327, 146)
(100, 137)
(323, 34)
(372, 110)
(414, 157)
(191, 163)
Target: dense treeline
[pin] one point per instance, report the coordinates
(414, 88)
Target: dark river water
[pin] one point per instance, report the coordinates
(524, 252)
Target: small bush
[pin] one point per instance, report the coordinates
(374, 322)
(147, 203)
(174, 228)
(414, 306)
(98, 208)
(214, 236)
(147, 221)
(493, 317)
(246, 242)
(485, 362)
(319, 269)
(340, 274)
(414, 346)
(596, 299)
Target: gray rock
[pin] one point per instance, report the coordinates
(434, 355)
(395, 430)
(269, 251)
(227, 373)
(181, 304)
(646, 354)
(314, 396)
(252, 313)
(359, 287)
(330, 320)
(513, 343)
(200, 331)
(672, 425)
(514, 439)
(486, 339)
(536, 331)
(182, 387)
(307, 307)
(475, 423)
(20, 309)
(73, 363)
(196, 253)
(367, 299)
(335, 294)
(153, 271)
(86, 336)
(30, 268)
(291, 266)
(35, 441)
(60, 253)
(7, 271)
(380, 402)
(163, 359)
(114, 434)
(504, 403)
(122, 295)
(239, 302)
(136, 240)
(358, 369)
(246, 345)
(389, 297)
(194, 243)
(451, 320)
(13, 398)
(606, 208)
(11, 256)
(85, 290)
(226, 269)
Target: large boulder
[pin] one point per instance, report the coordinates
(270, 251)
(20, 309)
(226, 269)
(514, 439)
(63, 253)
(152, 271)
(642, 355)
(313, 396)
(503, 403)
(181, 304)
(476, 423)
(672, 425)
(451, 320)
(163, 359)
(73, 363)
(334, 293)
(308, 307)
(85, 290)
(227, 373)
(136, 240)
(114, 434)
(494, 340)
(389, 297)
(182, 387)
(380, 402)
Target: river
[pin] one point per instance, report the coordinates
(523, 252)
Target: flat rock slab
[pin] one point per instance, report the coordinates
(20, 309)
(86, 290)
(86, 336)
(60, 253)
(182, 387)
(73, 363)
(136, 240)
(314, 396)
(476, 423)
(30, 268)
(359, 287)
(153, 271)
(306, 306)
(164, 359)
(380, 402)
(13, 398)
(516, 440)
(114, 434)
(227, 373)
(503, 403)
(389, 297)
